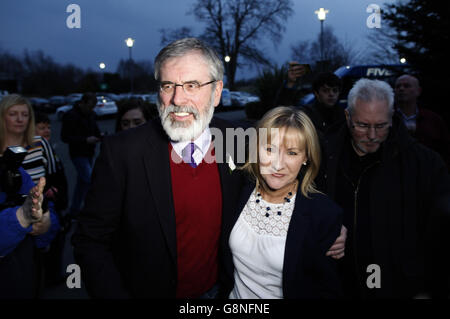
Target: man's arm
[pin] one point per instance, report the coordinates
(98, 223)
(288, 94)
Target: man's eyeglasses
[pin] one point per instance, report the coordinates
(191, 87)
(364, 127)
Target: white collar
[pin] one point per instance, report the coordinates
(202, 144)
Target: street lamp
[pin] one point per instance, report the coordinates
(130, 42)
(321, 14)
(227, 60)
(102, 67)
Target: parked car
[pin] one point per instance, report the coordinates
(239, 98)
(112, 96)
(226, 97)
(41, 105)
(72, 98)
(104, 107)
(150, 97)
(57, 101)
(3, 93)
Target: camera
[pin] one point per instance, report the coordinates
(10, 177)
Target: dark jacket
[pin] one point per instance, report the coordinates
(307, 272)
(405, 186)
(324, 117)
(432, 132)
(76, 127)
(126, 240)
(288, 96)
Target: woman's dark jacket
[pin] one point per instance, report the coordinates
(307, 272)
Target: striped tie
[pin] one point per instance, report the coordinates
(188, 153)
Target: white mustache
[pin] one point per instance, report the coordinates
(181, 109)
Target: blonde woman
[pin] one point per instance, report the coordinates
(18, 235)
(275, 245)
(17, 127)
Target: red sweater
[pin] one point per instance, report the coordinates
(197, 200)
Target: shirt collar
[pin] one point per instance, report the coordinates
(202, 144)
(408, 118)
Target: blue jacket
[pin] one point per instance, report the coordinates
(12, 233)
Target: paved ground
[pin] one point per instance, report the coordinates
(106, 125)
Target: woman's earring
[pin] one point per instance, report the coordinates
(305, 163)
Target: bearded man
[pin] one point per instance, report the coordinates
(151, 223)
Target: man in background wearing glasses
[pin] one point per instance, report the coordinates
(392, 190)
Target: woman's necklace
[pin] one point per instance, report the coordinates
(287, 199)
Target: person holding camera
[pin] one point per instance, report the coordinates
(26, 225)
(326, 86)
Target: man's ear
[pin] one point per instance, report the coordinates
(218, 92)
(347, 117)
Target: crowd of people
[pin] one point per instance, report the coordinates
(323, 196)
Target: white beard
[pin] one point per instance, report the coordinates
(178, 131)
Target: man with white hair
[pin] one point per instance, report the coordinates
(390, 187)
(151, 224)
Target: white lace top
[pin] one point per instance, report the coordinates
(257, 243)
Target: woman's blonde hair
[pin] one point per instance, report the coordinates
(8, 102)
(296, 122)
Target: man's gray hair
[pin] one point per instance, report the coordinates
(370, 90)
(184, 46)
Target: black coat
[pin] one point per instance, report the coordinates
(307, 272)
(405, 189)
(76, 127)
(126, 239)
(324, 118)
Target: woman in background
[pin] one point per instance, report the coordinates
(132, 113)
